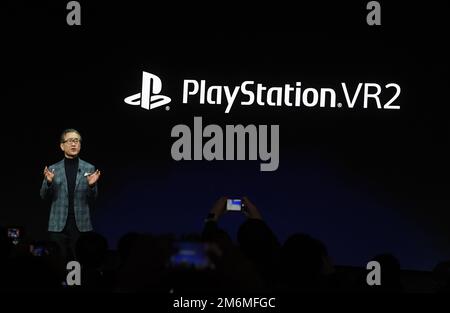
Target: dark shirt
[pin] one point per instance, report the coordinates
(71, 166)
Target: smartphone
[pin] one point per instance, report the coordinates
(14, 235)
(38, 250)
(190, 255)
(234, 205)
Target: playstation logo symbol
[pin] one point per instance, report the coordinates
(149, 97)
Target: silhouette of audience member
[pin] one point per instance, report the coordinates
(144, 267)
(91, 249)
(259, 244)
(441, 275)
(390, 274)
(306, 265)
(211, 231)
(125, 245)
(237, 266)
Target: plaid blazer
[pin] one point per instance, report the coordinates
(58, 194)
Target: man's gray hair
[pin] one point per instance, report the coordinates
(66, 131)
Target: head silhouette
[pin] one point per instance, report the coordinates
(302, 259)
(91, 249)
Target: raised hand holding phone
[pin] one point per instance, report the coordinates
(218, 208)
(250, 209)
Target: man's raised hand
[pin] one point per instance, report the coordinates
(92, 178)
(49, 174)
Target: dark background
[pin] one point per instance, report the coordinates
(364, 181)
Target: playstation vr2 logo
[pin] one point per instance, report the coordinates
(251, 92)
(149, 97)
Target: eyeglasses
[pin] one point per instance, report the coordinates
(72, 140)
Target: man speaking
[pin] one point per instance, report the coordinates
(70, 185)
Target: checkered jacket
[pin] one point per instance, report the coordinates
(58, 194)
